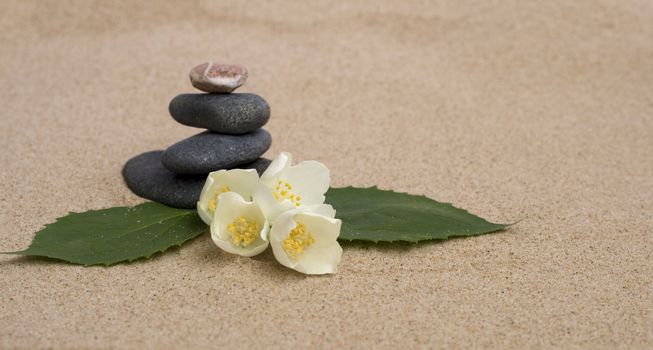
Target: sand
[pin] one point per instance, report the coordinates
(533, 111)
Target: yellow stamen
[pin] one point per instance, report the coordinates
(243, 231)
(297, 241)
(213, 203)
(283, 192)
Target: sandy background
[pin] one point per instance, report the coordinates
(538, 111)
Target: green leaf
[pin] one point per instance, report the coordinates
(371, 214)
(110, 236)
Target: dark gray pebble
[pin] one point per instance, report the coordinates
(147, 178)
(260, 165)
(221, 113)
(207, 152)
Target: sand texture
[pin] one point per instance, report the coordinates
(540, 111)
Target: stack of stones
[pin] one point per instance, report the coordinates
(233, 139)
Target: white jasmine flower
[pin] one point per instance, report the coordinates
(284, 187)
(241, 181)
(239, 226)
(306, 242)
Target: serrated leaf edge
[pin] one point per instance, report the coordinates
(374, 187)
(103, 263)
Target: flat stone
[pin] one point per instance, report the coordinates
(221, 113)
(218, 78)
(260, 165)
(207, 152)
(147, 178)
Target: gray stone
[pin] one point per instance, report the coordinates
(221, 113)
(147, 178)
(207, 152)
(260, 165)
(218, 78)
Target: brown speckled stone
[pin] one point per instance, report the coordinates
(218, 78)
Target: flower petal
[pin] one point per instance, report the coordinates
(230, 207)
(320, 209)
(322, 256)
(325, 229)
(203, 203)
(276, 168)
(269, 205)
(321, 260)
(241, 181)
(278, 234)
(310, 180)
